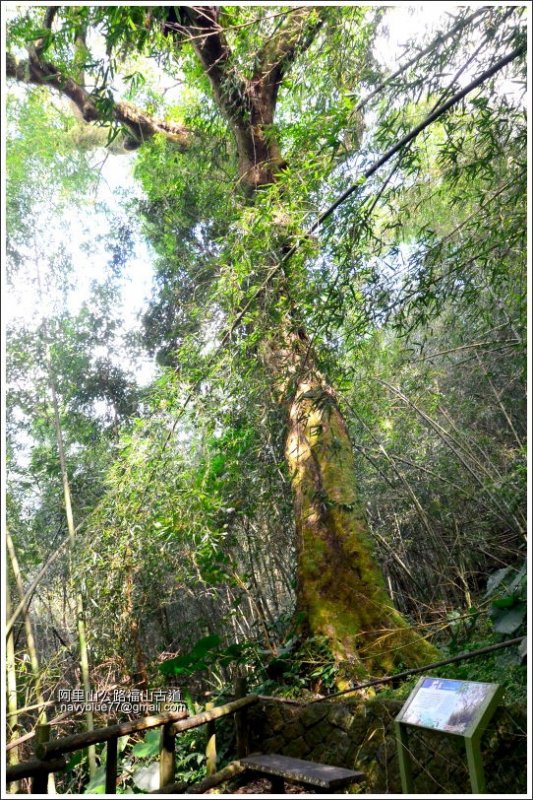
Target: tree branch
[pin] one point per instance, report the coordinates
(49, 16)
(241, 101)
(277, 55)
(36, 71)
(249, 104)
(48, 19)
(209, 42)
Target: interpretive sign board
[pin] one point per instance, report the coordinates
(460, 708)
(445, 705)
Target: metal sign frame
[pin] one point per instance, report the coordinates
(472, 734)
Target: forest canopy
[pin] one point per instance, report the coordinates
(302, 458)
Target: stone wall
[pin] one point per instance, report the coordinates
(360, 735)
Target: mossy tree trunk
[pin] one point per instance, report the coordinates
(340, 589)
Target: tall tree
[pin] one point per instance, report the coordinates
(248, 59)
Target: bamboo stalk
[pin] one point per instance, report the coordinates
(31, 646)
(25, 709)
(211, 746)
(80, 616)
(439, 39)
(457, 449)
(28, 627)
(11, 685)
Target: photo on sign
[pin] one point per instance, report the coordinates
(446, 705)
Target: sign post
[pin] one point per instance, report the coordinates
(456, 708)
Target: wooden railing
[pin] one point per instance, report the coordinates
(50, 753)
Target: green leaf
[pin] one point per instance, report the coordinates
(509, 621)
(504, 602)
(75, 759)
(149, 747)
(519, 582)
(191, 662)
(496, 579)
(203, 646)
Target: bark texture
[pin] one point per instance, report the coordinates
(35, 70)
(340, 586)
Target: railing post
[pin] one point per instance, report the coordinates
(167, 749)
(241, 720)
(211, 747)
(111, 766)
(39, 784)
